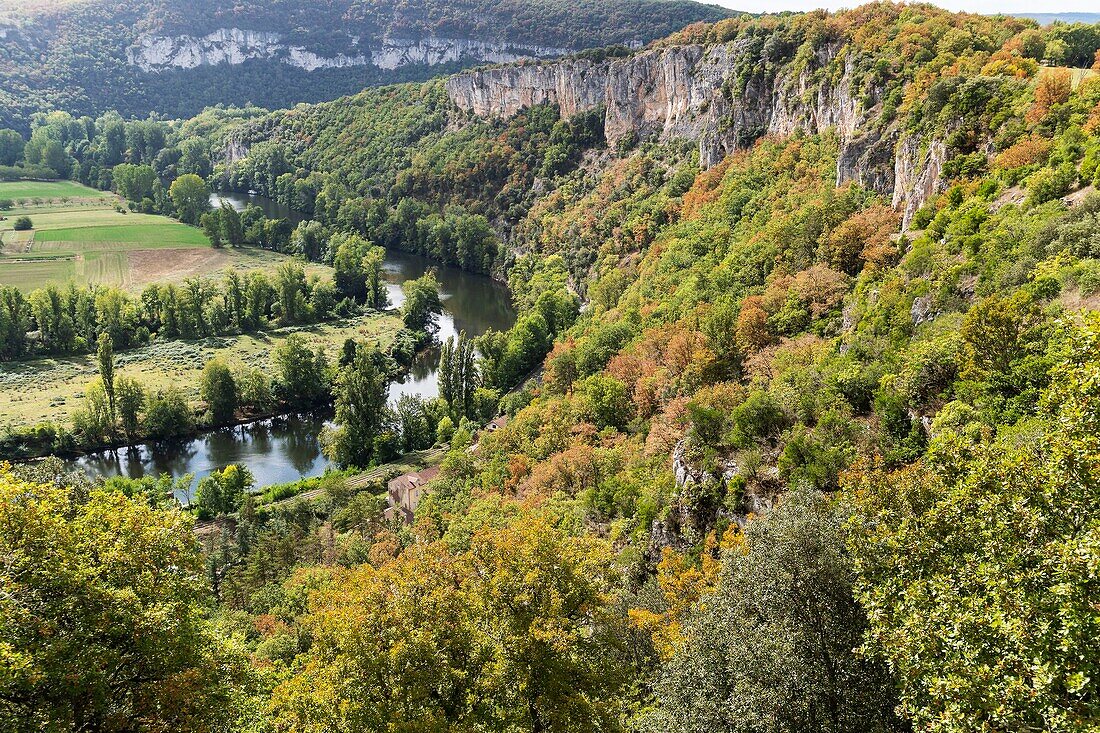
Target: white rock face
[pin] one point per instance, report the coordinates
(433, 51)
(235, 46)
(682, 91)
(303, 59)
(223, 46)
(698, 93)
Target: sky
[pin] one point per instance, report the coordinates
(973, 6)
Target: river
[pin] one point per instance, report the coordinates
(272, 209)
(286, 448)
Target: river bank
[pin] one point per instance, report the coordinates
(280, 449)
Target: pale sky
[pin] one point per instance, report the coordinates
(973, 6)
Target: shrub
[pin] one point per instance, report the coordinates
(1050, 183)
(22, 224)
(759, 416)
(1028, 151)
(1088, 279)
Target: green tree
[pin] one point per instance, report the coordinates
(105, 355)
(222, 492)
(413, 422)
(232, 230)
(211, 223)
(292, 293)
(11, 147)
(194, 157)
(168, 415)
(218, 390)
(444, 430)
(53, 156)
(976, 565)
(302, 372)
(93, 420)
(605, 401)
(511, 635)
(130, 397)
(773, 648)
(22, 224)
(309, 240)
(458, 375)
(191, 197)
(254, 388)
(422, 301)
(15, 316)
(134, 182)
(104, 619)
(357, 266)
(361, 390)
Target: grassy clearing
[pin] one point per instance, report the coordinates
(64, 216)
(18, 190)
(51, 389)
(152, 234)
(30, 274)
(88, 241)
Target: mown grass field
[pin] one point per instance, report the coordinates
(79, 235)
(18, 190)
(51, 389)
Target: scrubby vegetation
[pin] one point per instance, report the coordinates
(795, 460)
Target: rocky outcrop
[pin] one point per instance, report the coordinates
(695, 92)
(723, 97)
(224, 46)
(917, 167)
(235, 150)
(154, 53)
(687, 475)
(393, 53)
(572, 84)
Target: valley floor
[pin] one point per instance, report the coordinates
(79, 235)
(40, 390)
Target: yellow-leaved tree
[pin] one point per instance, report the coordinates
(515, 633)
(103, 625)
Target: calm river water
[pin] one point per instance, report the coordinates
(287, 448)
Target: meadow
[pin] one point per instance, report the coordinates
(80, 234)
(51, 389)
(49, 190)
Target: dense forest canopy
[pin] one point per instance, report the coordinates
(808, 446)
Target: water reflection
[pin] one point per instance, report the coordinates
(272, 209)
(471, 303)
(287, 448)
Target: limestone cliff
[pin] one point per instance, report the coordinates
(228, 46)
(723, 97)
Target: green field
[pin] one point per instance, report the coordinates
(51, 389)
(17, 190)
(78, 234)
(152, 234)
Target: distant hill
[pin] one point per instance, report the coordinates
(175, 57)
(1048, 18)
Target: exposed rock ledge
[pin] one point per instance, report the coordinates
(698, 93)
(235, 46)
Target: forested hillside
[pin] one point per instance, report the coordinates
(174, 57)
(801, 417)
